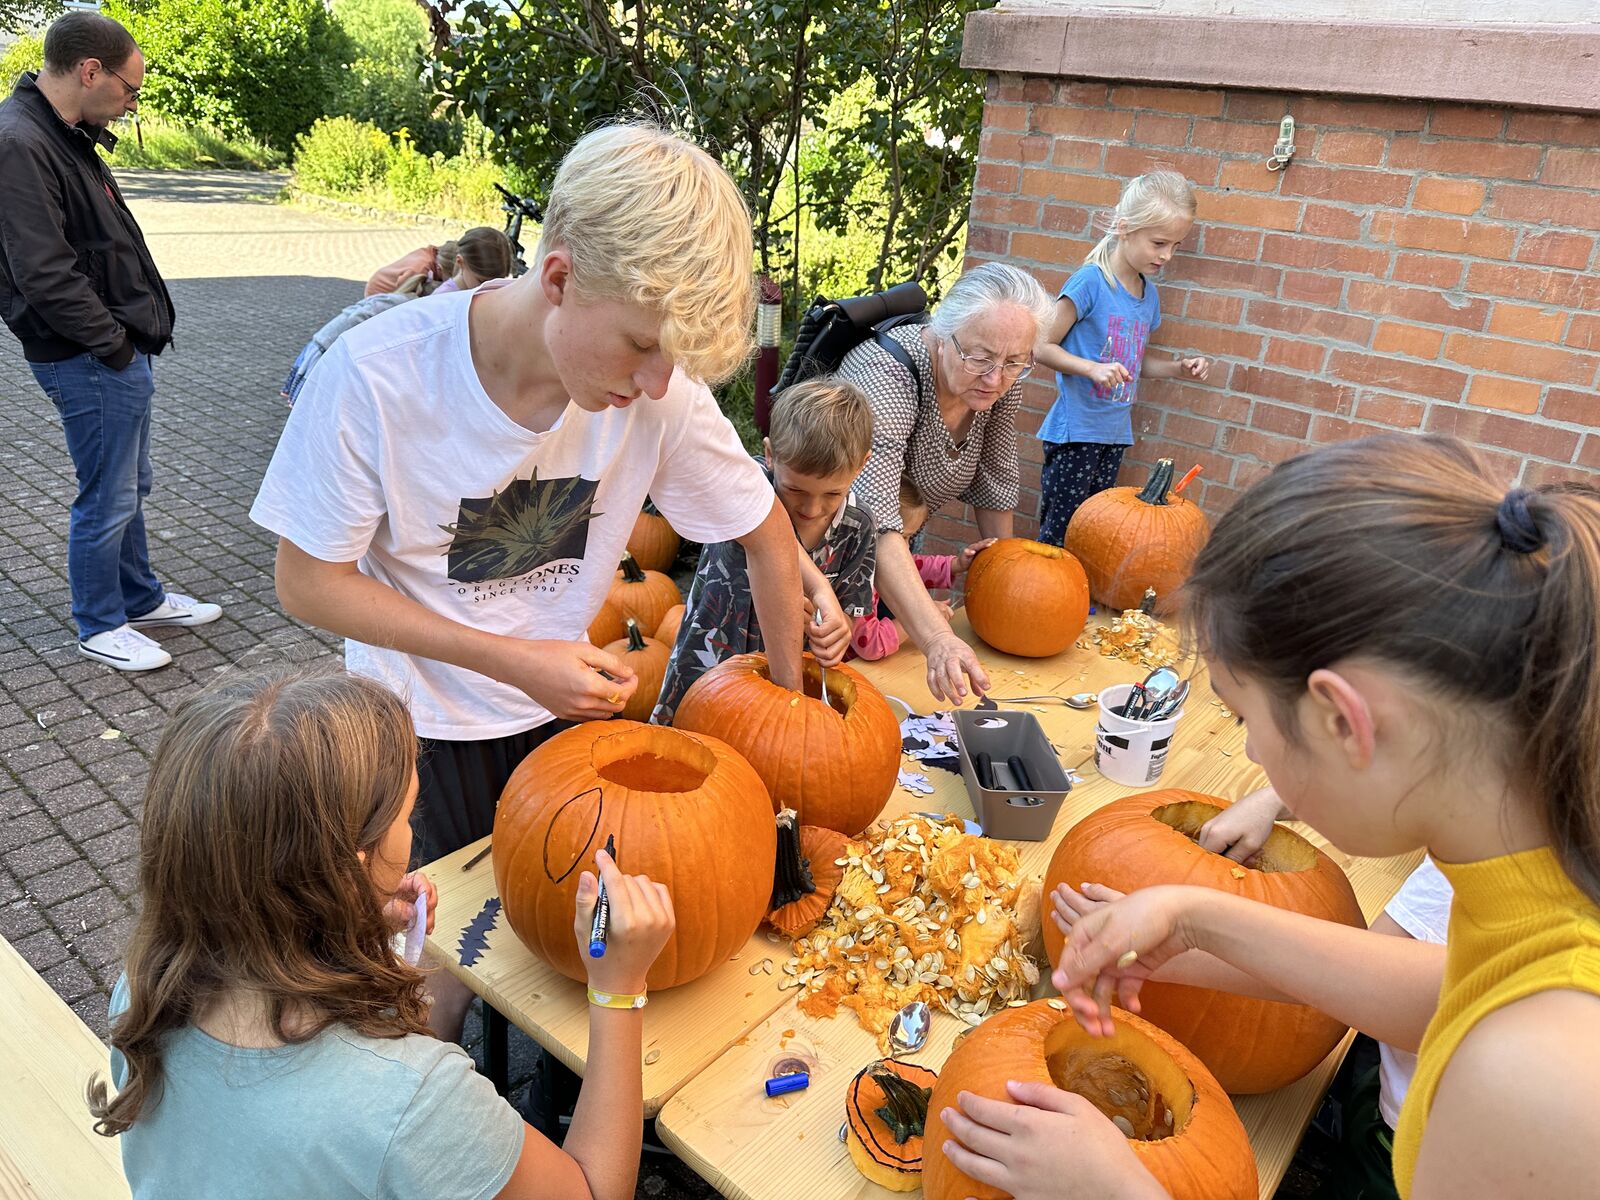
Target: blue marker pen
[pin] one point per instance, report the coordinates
(602, 909)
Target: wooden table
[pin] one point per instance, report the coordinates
(754, 1148)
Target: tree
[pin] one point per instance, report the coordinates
(19, 16)
(382, 83)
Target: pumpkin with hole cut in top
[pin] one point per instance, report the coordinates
(834, 764)
(1131, 540)
(685, 809)
(885, 1112)
(654, 543)
(643, 595)
(808, 874)
(1140, 841)
(647, 658)
(1178, 1121)
(1026, 598)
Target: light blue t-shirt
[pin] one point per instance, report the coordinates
(340, 1117)
(1112, 324)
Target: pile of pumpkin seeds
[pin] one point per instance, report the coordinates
(1134, 637)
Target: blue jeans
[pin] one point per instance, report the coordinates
(106, 415)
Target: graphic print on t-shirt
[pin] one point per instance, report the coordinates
(1125, 344)
(516, 531)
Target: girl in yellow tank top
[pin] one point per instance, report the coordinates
(1417, 656)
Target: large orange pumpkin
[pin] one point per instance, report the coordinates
(1137, 1077)
(1027, 598)
(1130, 540)
(685, 809)
(643, 595)
(834, 764)
(608, 625)
(648, 659)
(1251, 1045)
(654, 542)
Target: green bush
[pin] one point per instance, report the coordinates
(24, 54)
(383, 82)
(341, 157)
(178, 147)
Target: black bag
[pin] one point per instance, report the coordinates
(832, 328)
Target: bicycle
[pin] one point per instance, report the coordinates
(517, 209)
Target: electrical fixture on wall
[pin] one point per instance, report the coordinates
(1283, 151)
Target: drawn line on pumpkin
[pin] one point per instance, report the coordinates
(583, 853)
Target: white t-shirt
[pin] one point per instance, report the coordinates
(1422, 908)
(395, 456)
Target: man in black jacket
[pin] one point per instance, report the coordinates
(80, 291)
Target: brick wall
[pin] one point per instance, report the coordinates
(1419, 267)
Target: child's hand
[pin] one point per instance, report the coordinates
(1069, 905)
(1115, 947)
(828, 638)
(1109, 374)
(565, 677)
(944, 609)
(969, 552)
(641, 921)
(1241, 829)
(1049, 1145)
(1197, 367)
(401, 909)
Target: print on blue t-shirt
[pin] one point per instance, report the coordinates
(1112, 324)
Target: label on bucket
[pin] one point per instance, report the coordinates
(1158, 759)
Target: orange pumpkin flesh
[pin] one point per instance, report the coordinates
(685, 809)
(643, 595)
(1250, 1045)
(670, 624)
(648, 659)
(654, 543)
(808, 874)
(1133, 539)
(834, 764)
(1137, 1077)
(896, 1165)
(1027, 598)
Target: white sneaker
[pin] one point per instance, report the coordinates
(126, 649)
(178, 609)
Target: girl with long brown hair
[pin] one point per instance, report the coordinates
(1416, 653)
(267, 1040)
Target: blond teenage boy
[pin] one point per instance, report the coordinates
(821, 435)
(457, 482)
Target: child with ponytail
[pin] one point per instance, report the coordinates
(1417, 656)
(1104, 318)
(266, 1039)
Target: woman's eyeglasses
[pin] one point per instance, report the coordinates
(979, 364)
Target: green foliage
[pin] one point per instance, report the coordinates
(179, 147)
(383, 81)
(355, 160)
(265, 68)
(340, 156)
(17, 16)
(24, 54)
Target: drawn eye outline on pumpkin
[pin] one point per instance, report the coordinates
(594, 831)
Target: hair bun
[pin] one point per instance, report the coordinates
(1519, 532)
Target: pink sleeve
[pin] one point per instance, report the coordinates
(874, 637)
(937, 570)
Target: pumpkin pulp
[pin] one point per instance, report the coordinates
(1283, 850)
(625, 759)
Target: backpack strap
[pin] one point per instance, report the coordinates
(899, 353)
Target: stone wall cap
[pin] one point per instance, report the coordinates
(1549, 65)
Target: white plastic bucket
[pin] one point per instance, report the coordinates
(1132, 753)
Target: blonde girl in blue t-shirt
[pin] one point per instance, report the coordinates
(267, 1039)
(1104, 318)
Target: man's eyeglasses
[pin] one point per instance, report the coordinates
(979, 364)
(133, 92)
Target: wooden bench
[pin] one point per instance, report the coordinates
(48, 1150)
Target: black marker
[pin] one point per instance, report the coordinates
(602, 909)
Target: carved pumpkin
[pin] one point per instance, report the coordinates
(1250, 1045)
(834, 764)
(648, 659)
(670, 624)
(886, 1109)
(808, 874)
(1027, 598)
(686, 810)
(608, 625)
(1180, 1122)
(1133, 539)
(643, 595)
(654, 543)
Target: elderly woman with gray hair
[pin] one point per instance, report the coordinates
(949, 425)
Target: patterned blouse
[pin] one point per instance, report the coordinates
(908, 434)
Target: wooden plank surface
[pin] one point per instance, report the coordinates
(48, 1151)
(754, 1148)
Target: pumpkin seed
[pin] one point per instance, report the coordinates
(1128, 958)
(882, 888)
(1016, 1004)
(653, 1057)
(1058, 1004)
(983, 915)
(972, 1018)
(999, 964)
(1167, 1116)
(1123, 1124)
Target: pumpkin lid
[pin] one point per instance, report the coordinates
(879, 1109)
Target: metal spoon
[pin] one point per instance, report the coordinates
(1157, 689)
(908, 1031)
(1076, 700)
(1171, 704)
(822, 671)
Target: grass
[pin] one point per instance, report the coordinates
(174, 147)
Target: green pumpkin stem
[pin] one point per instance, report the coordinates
(635, 638)
(792, 879)
(1160, 483)
(632, 572)
(905, 1108)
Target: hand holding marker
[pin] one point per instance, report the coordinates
(602, 909)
